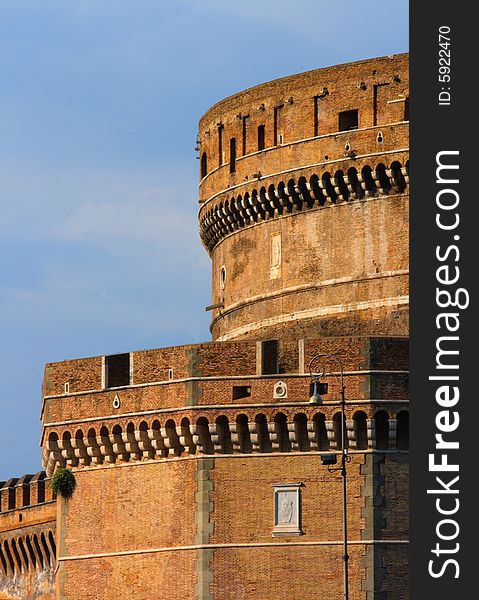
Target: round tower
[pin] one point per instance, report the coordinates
(304, 203)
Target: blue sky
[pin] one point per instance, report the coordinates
(99, 104)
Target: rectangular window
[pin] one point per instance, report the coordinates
(270, 357)
(349, 119)
(261, 137)
(244, 148)
(241, 391)
(220, 145)
(117, 370)
(232, 155)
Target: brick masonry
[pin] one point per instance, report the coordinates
(176, 468)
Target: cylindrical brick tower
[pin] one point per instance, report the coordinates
(304, 203)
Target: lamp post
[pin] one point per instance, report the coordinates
(316, 372)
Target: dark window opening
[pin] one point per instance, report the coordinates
(117, 370)
(241, 391)
(361, 430)
(406, 109)
(220, 145)
(232, 155)
(402, 435)
(244, 135)
(382, 430)
(204, 165)
(349, 119)
(261, 134)
(269, 357)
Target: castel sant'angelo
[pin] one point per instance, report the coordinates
(204, 472)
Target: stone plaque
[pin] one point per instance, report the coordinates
(287, 509)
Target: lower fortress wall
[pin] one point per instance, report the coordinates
(179, 520)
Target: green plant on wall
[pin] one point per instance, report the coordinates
(63, 483)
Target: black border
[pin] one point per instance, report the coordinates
(436, 128)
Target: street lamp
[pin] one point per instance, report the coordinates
(316, 372)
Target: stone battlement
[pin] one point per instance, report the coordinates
(21, 492)
(263, 409)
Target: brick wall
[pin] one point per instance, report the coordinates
(386, 79)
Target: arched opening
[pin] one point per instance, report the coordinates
(224, 434)
(354, 183)
(305, 193)
(275, 204)
(53, 546)
(23, 553)
(186, 436)
(328, 187)
(9, 557)
(337, 431)
(263, 434)
(92, 434)
(46, 551)
(17, 558)
(319, 421)
(255, 202)
(244, 437)
(301, 430)
(3, 563)
(31, 552)
(281, 426)
(172, 435)
(252, 215)
(38, 551)
(383, 178)
(381, 420)
(341, 184)
(368, 180)
(398, 177)
(204, 435)
(361, 430)
(316, 189)
(266, 203)
(283, 197)
(293, 194)
(402, 432)
(232, 155)
(204, 165)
